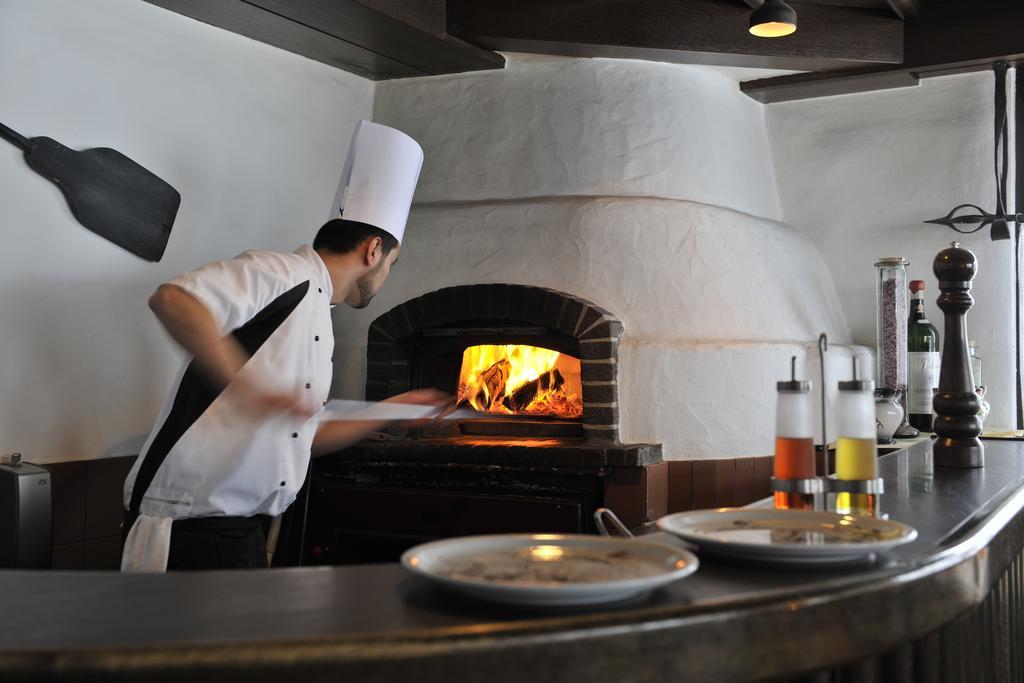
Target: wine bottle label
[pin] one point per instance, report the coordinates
(924, 376)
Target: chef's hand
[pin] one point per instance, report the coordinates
(262, 401)
(426, 397)
(333, 435)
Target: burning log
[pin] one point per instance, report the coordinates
(490, 388)
(526, 394)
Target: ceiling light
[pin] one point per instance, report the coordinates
(773, 19)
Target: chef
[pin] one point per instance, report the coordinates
(231, 446)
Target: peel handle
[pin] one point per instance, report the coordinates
(13, 137)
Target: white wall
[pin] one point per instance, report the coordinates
(646, 188)
(252, 137)
(552, 126)
(650, 189)
(858, 173)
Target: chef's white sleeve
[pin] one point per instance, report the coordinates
(235, 290)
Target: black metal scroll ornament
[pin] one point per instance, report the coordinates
(958, 425)
(1000, 220)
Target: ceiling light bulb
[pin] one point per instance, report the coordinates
(773, 19)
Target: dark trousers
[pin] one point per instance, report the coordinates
(214, 542)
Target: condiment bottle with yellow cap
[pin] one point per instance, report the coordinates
(856, 450)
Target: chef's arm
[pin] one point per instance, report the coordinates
(192, 325)
(333, 435)
(220, 357)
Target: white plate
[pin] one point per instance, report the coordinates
(788, 536)
(549, 569)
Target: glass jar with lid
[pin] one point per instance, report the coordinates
(893, 310)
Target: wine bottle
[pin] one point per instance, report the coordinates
(923, 360)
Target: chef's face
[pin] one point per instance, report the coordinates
(371, 282)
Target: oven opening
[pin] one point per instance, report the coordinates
(519, 379)
(533, 362)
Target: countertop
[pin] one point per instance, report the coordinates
(376, 623)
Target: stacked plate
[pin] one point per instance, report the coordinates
(795, 537)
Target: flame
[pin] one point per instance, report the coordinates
(519, 379)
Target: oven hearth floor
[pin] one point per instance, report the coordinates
(481, 450)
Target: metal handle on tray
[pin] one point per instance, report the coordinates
(599, 516)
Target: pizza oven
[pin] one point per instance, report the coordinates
(544, 364)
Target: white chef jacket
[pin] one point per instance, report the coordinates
(217, 458)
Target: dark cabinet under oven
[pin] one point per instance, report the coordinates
(357, 524)
(373, 501)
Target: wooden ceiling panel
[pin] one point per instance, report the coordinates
(687, 31)
(948, 37)
(864, 4)
(904, 9)
(378, 39)
(383, 39)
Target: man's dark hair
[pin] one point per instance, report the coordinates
(342, 236)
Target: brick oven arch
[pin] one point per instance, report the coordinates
(597, 331)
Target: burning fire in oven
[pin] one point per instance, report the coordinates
(515, 379)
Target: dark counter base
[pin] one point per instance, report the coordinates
(984, 645)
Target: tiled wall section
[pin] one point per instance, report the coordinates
(696, 484)
(87, 512)
(87, 507)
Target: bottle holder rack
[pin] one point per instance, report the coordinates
(872, 487)
(825, 488)
(812, 486)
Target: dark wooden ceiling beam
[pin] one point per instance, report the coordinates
(408, 31)
(378, 39)
(825, 84)
(905, 9)
(946, 38)
(688, 31)
(864, 4)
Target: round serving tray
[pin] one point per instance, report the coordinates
(549, 569)
(787, 536)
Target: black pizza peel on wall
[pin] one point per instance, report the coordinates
(108, 193)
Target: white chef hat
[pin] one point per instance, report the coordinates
(379, 178)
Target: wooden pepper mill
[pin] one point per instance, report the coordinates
(956, 404)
